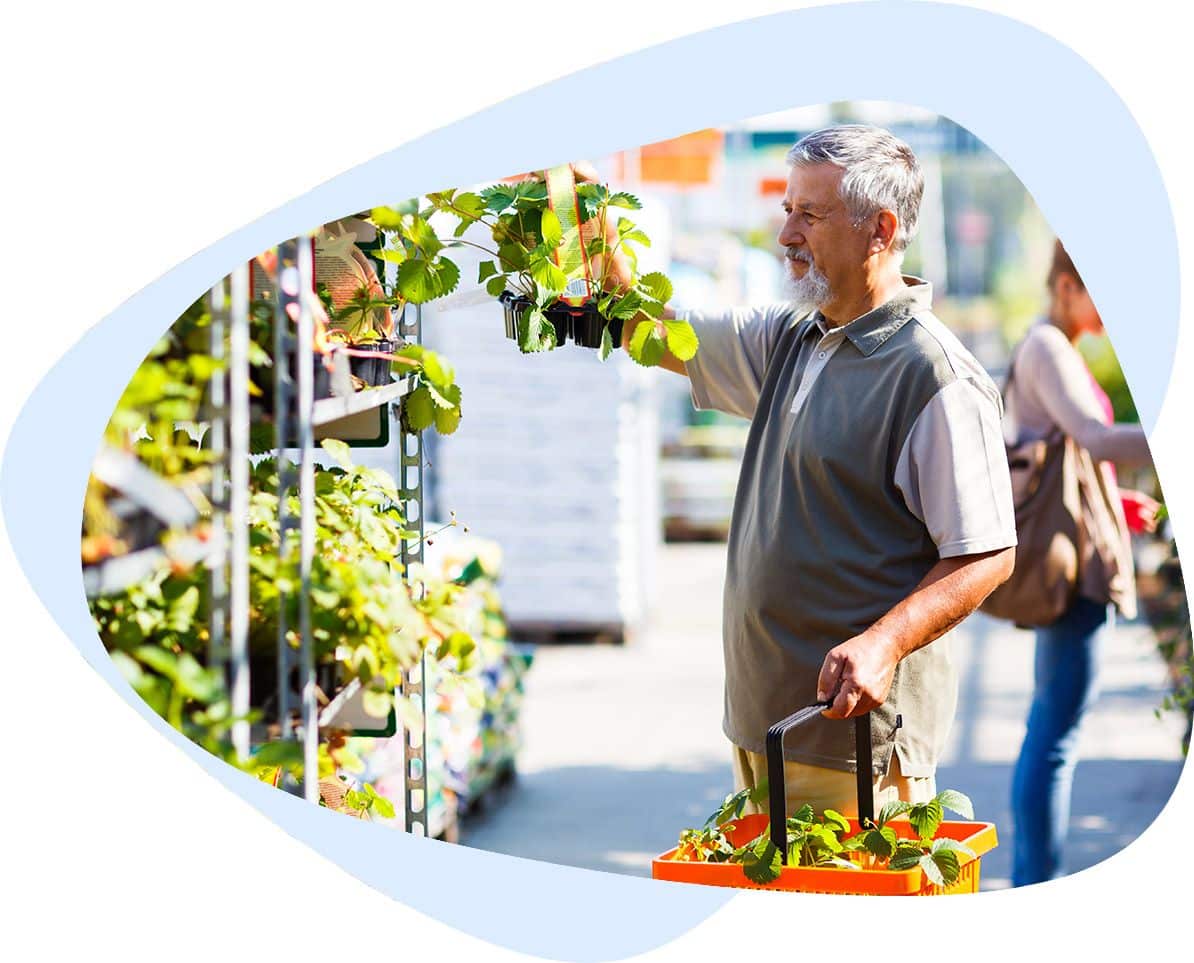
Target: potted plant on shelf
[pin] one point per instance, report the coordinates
(361, 314)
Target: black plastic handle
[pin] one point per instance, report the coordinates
(775, 771)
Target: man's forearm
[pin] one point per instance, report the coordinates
(857, 674)
(950, 591)
(669, 360)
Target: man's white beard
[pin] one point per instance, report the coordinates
(809, 292)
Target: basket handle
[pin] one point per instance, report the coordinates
(775, 771)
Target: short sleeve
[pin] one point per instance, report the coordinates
(735, 345)
(953, 473)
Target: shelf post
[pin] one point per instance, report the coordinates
(410, 484)
(238, 503)
(217, 419)
(305, 358)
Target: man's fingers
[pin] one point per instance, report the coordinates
(584, 171)
(845, 702)
(831, 673)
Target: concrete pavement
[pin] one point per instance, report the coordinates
(623, 745)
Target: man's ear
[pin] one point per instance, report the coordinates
(883, 235)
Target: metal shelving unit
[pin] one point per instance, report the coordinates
(297, 415)
(300, 421)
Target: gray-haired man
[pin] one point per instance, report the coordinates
(874, 508)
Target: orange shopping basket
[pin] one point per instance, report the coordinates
(979, 837)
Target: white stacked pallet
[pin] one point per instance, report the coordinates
(556, 460)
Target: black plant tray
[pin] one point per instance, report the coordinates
(583, 324)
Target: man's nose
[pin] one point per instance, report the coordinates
(789, 235)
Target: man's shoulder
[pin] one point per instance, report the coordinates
(935, 351)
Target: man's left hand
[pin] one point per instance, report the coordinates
(857, 675)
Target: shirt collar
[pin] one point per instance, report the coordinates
(868, 332)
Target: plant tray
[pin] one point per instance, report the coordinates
(583, 324)
(980, 837)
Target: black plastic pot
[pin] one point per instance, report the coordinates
(587, 328)
(583, 323)
(374, 372)
(514, 305)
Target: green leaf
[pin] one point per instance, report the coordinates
(804, 814)
(681, 339)
(389, 254)
(622, 199)
(957, 802)
(880, 842)
(548, 276)
(953, 846)
(761, 863)
(421, 234)
(947, 861)
(513, 257)
(897, 807)
(338, 451)
(383, 806)
(925, 818)
(496, 285)
(420, 409)
(550, 228)
(486, 269)
(657, 286)
(535, 331)
(759, 795)
(626, 307)
(447, 420)
(607, 344)
(646, 346)
(421, 280)
(390, 218)
(932, 870)
(837, 820)
(905, 859)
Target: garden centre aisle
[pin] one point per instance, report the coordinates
(623, 746)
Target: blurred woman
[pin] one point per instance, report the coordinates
(1053, 390)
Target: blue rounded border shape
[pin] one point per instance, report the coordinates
(1051, 117)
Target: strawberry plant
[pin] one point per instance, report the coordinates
(526, 265)
(825, 839)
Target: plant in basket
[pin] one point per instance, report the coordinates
(830, 840)
(553, 244)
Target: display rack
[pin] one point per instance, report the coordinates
(297, 415)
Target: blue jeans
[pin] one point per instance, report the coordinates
(1065, 684)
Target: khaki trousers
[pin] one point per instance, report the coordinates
(830, 788)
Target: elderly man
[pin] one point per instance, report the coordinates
(873, 510)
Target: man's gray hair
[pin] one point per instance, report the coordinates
(880, 173)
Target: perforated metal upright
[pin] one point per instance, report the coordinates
(295, 396)
(410, 482)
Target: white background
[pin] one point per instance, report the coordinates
(110, 173)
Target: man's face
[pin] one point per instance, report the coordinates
(826, 253)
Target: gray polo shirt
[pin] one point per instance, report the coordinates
(874, 450)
